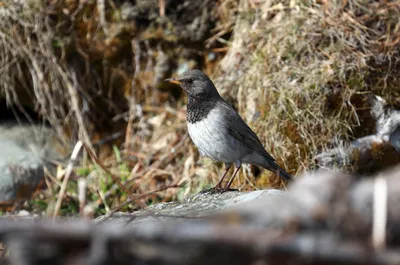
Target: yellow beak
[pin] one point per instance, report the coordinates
(173, 80)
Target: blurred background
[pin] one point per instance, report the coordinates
(311, 78)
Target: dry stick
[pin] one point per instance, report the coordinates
(115, 179)
(379, 213)
(103, 199)
(163, 159)
(143, 196)
(136, 176)
(73, 94)
(166, 158)
(102, 16)
(52, 178)
(47, 179)
(246, 176)
(152, 167)
(128, 132)
(161, 5)
(134, 171)
(82, 185)
(68, 172)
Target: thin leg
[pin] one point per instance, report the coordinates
(227, 187)
(219, 184)
(218, 188)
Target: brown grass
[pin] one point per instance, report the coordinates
(298, 71)
(296, 67)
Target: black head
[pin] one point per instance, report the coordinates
(195, 83)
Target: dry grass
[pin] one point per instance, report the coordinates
(29, 62)
(298, 71)
(72, 63)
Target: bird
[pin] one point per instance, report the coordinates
(218, 131)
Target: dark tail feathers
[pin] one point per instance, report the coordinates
(268, 162)
(278, 170)
(283, 174)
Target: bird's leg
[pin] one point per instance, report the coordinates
(218, 188)
(238, 164)
(219, 184)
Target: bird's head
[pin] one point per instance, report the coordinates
(195, 83)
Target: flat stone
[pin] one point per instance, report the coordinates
(20, 171)
(21, 163)
(196, 206)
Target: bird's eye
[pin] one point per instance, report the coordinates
(189, 80)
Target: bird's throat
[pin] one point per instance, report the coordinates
(199, 106)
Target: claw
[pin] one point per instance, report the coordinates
(216, 189)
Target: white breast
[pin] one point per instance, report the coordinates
(211, 138)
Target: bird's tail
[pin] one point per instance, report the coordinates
(274, 167)
(268, 162)
(283, 174)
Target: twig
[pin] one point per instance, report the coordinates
(103, 199)
(161, 5)
(129, 127)
(379, 213)
(166, 157)
(73, 94)
(82, 195)
(143, 196)
(115, 179)
(102, 15)
(68, 172)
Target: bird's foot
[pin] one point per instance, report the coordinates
(214, 190)
(217, 189)
(229, 189)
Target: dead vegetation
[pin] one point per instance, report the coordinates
(300, 72)
(303, 71)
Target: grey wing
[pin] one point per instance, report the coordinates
(242, 132)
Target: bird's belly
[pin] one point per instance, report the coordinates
(211, 138)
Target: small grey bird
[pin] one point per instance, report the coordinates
(218, 131)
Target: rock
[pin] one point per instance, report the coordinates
(324, 217)
(200, 205)
(371, 153)
(395, 138)
(334, 201)
(20, 171)
(21, 159)
(7, 190)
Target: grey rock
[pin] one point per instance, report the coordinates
(21, 159)
(395, 138)
(324, 217)
(7, 190)
(371, 153)
(196, 207)
(20, 170)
